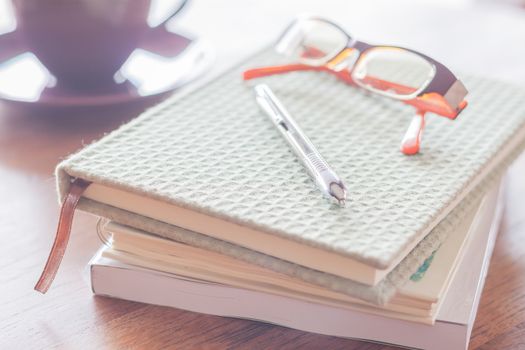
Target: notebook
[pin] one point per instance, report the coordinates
(209, 162)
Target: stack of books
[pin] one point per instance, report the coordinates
(204, 207)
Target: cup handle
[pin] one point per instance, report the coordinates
(9, 46)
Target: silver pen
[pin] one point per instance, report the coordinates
(327, 180)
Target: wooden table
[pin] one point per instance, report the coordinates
(32, 141)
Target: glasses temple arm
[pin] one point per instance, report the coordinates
(272, 70)
(412, 140)
(429, 102)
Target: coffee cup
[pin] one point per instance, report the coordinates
(82, 43)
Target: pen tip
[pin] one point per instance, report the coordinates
(338, 191)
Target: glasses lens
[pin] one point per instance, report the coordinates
(393, 72)
(312, 41)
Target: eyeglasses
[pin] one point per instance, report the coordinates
(403, 74)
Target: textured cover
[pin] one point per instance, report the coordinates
(215, 152)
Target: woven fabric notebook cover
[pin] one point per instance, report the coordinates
(213, 151)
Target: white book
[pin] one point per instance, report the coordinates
(114, 278)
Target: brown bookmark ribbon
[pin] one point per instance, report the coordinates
(78, 186)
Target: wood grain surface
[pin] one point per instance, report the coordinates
(33, 140)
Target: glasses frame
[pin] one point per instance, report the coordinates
(442, 94)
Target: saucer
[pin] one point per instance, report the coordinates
(161, 63)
